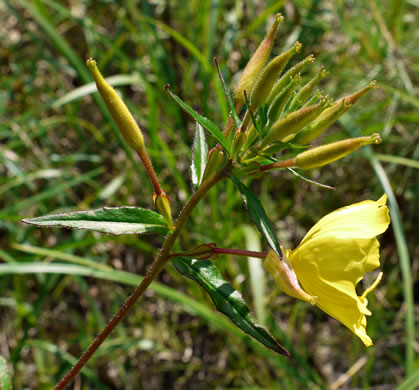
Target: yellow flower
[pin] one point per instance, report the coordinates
(330, 261)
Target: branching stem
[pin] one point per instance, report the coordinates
(152, 273)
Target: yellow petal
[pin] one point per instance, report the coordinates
(361, 220)
(330, 270)
(334, 256)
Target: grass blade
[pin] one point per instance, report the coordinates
(256, 272)
(5, 382)
(51, 192)
(191, 305)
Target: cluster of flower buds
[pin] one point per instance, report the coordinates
(283, 112)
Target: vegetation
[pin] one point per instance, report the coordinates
(60, 152)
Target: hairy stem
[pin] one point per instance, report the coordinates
(150, 170)
(280, 164)
(152, 273)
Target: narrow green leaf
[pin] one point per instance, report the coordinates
(115, 220)
(5, 382)
(252, 115)
(227, 92)
(258, 214)
(199, 155)
(227, 300)
(205, 122)
(311, 181)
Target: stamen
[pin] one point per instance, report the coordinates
(372, 287)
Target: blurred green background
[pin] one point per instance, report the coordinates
(59, 152)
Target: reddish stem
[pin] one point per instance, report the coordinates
(153, 271)
(150, 171)
(239, 252)
(280, 164)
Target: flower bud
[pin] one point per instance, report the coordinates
(330, 115)
(286, 127)
(238, 142)
(301, 97)
(284, 275)
(321, 123)
(119, 111)
(286, 78)
(325, 154)
(249, 170)
(256, 64)
(201, 252)
(278, 104)
(314, 98)
(251, 136)
(267, 79)
(214, 162)
(352, 99)
(162, 203)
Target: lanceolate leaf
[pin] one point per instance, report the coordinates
(233, 113)
(205, 122)
(227, 300)
(115, 220)
(199, 155)
(258, 214)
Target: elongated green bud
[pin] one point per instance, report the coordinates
(325, 154)
(305, 92)
(286, 78)
(162, 203)
(267, 79)
(321, 123)
(215, 161)
(256, 64)
(238, 142)
(278, 104)
(330, 115)
(251, 138)
(352, 99)
(286, 127)
(314, 98)
(119, 111)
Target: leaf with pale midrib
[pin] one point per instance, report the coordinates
(109, 220)
(227, 300)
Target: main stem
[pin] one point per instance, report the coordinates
(152, 273)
